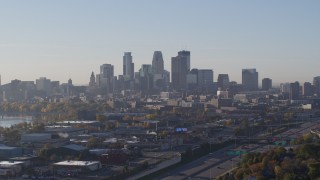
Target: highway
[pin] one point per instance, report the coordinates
(204, 163)
(220, 162)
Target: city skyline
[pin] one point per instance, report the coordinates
(59, 41)
(87, 80)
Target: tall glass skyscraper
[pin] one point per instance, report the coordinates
(106, 70)
(157, 63)
(205, 78)
(128, 66)
(180, 67)
(105, 79)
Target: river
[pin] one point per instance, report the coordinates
(8, 121)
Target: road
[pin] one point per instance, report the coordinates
(199, 164)
(218, 163)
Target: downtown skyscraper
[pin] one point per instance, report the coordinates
(128, 66)
(250, 80)
(157, 63)
(180, 67)
(105, 80)
(294, 91)
(266, 84)
(223, 81)
(161, 77)
(316, 84)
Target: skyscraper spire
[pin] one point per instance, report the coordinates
(92, 80)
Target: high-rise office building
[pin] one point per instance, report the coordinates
(223, 81)
(146, 69)
(285, 87)
(266, 84)
(105, 80)
(161, 77)
(192, 80)
(128, 65)
(233, 89)
(180, 67)
(186, 55)
(157, 63)
(250, 80)
(316, 84)
(106, 70)
(307, 89)
(146, 78)
(44, 84)
(205, 79)
(294, 91)
(161, 81)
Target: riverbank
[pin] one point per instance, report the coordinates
(8, 121)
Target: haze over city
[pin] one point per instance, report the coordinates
(168, 89)
(70, 39)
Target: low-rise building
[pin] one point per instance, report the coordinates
(218, 103)
(35, 137)
(75, 168)
(10, 168)
(9, 152)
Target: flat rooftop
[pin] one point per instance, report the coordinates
(9, 163)
(78, 122)
(76, 163)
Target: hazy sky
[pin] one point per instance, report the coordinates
(63, 39)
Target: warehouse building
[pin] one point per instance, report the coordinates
(75, 168)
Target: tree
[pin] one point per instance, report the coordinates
(307, 138)
(239, 174)
(43, 154)
(92, 142)
(12, 136)
(38, 128)
(101, 118)
(238, 131)
(308, 151)
(278, 171)
(150, 116)
(314, 170)
(265, 161)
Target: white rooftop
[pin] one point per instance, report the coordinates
(9, 163)
(77, 122)
(76, 163)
